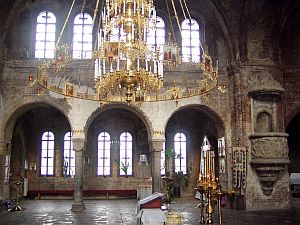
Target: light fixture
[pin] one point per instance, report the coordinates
(208, 185)
(125, 68)
(133, 69)
(143, 159)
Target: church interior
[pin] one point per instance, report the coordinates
(120, 99)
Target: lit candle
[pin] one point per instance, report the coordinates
(145, 33)
(138, 64)
(154, 67)
(134, 7)
(99, 68)
(128, 64)
(124, 5)
(118, 64)
(146, 65)
(103, 67)
(162, 69)
(132, 31)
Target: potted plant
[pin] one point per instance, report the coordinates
(124, 167)
(230, 195)
(180, 180)
(169, 190)
(170, 156)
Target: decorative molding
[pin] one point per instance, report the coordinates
(269, 158)
(267, 146)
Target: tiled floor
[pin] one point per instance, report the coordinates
(53, 212)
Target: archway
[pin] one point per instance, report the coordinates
(294, 144)
(126, 137)
(194, 122)
(26, 157)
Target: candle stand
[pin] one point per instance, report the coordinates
(17, 207)
(208, 186)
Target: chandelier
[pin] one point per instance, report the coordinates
(134, 69)
(125, 68)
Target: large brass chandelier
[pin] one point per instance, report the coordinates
(124, 68)
(134, 69)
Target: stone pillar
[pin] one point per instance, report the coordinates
(78, 145)
(156, 147)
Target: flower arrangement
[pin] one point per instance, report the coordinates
(230, 195)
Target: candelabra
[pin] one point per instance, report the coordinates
(17, 207)
(208, 186)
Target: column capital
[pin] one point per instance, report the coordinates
(78, 143)
(157, 144)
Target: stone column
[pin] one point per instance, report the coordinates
(156, 147)
(78, 145)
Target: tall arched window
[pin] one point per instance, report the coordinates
(69, 156)
(156, 38)
(190, 41)
(163, 161)
(82, 36)
(47, 154)
(45, 35)
(125, 153)
(103, 165)
(180, 152)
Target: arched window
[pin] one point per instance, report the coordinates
(47, 154)
(103, 166)
(190, 41)
(45, 35)
(69, 156)
(82, 36)
(163, 161)
(156, 38)
(125, 154)
(180, 152)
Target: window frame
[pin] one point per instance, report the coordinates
(82, 33)
(70, 149)
(186, 152)
(156, 46)
(190, 46)
(40, 152)
(163, 160)
(34, 34)
(132, 154)
(110, 155)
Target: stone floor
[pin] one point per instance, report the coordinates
(52, 212)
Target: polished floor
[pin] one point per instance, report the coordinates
(53, 212)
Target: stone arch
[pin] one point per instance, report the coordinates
(116, 119)
(290, 115)
(197, 121)
(222, 23)
(140, 114)
(214, 116)
(11, 119)
(22, 126)
(292, 129)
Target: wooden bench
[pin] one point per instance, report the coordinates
(118, 193)
(86, 193)
(39, 193)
